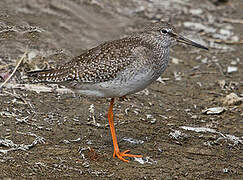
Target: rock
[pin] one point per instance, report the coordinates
(231, 69)
(214, 110)
(232, 99)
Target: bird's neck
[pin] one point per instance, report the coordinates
(158, 46)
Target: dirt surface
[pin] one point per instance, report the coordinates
(49, 135)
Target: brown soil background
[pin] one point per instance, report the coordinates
(69, 145)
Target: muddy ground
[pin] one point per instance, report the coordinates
(49, 135)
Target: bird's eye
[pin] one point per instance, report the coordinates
(164, 31)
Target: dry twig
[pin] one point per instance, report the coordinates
(236, 21)
(15, 69)
(225, 41)
(38, 88)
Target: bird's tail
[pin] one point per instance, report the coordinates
(50, 75)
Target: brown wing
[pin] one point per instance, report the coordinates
(99, 64)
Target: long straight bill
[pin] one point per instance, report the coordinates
(189, 42)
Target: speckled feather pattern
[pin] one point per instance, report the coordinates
(98, 64)
(117, 63)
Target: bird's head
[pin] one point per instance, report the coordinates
(167, 34)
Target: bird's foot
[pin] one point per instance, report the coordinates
(121, 155)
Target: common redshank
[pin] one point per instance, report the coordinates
(118, 68)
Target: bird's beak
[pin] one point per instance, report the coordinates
(187, 41)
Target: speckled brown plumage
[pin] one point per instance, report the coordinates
(98, 64)
(102, 62)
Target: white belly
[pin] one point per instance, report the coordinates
(126, 83)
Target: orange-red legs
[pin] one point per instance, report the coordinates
(117, 152)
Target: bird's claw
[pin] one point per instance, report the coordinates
(121, 155)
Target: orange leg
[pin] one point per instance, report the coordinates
(117, 152)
